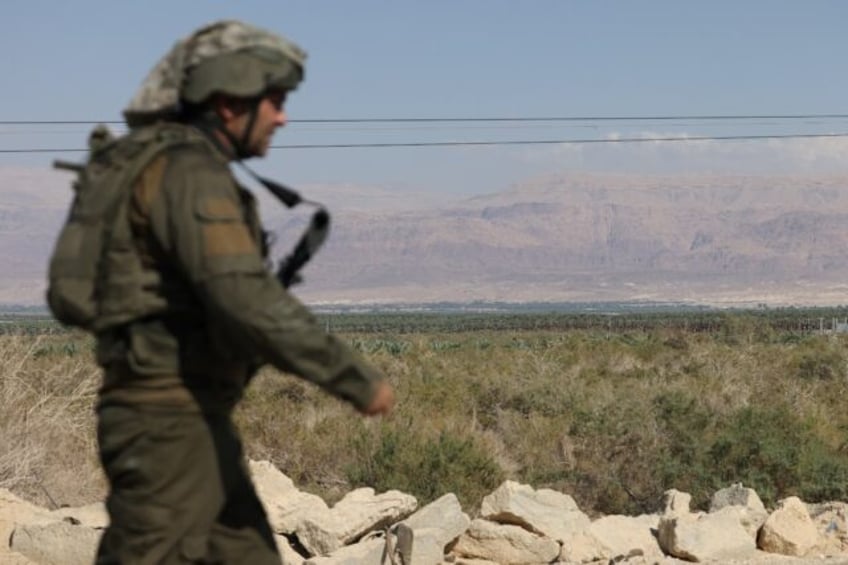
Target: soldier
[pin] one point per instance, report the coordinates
(185, 309)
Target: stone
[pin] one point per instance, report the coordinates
(505, 544)
(323, 531)
(15, 510)
(285, 505)
(583, 547)
(832, 526)
(789, 530)
(737, 495)
(428, 547)
(59, 543)
(751, 520)
(626, 535)
(287, 552)
(92, 516)
(369, 552)
(14, 558)
(747, 504)
(676, 503)
(440, 522)
(717, 536)
(614, 539)
(543, 511)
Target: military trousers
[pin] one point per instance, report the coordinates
(179, 491)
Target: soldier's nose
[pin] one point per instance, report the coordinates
(281, 118)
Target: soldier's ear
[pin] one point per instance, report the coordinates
(222, 108)
(227, 108)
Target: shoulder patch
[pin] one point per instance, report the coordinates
(227, 238)
(224, 229)
(219, 208)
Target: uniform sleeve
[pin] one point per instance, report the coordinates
(201, 223)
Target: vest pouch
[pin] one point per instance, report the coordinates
(152, 350)
(96, 278)
(71, 294)
(124, 294)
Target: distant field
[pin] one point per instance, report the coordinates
(613, 409)
(458, 318)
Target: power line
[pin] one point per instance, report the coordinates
(727, 117)
(436, 126)
(505, 142)
(557, 141)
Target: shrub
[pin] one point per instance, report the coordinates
(820, 362)
(761, 447)
(425, 465)
(778, 454)
(612, 418)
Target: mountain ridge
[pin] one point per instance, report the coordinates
(559, 237)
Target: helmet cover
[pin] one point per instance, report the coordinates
(227, 57)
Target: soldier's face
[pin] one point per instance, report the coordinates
(270, 115)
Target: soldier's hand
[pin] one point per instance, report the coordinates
(383, 401)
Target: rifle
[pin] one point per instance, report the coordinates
(98, 138)
(311, 240)
(68, 166)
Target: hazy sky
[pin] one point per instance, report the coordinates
(83, 59)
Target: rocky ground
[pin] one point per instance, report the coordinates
(516, 524)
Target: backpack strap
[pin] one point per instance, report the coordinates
(102, 191)
(312, 238)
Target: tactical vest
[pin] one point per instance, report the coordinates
(96, 276)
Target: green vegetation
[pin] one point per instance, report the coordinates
(788, 323)
(612, 410)
(409, 459)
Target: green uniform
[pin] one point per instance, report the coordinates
(180, 492)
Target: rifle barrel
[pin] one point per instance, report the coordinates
(68, 166)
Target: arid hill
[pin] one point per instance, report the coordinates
(601, 237)
(719, 239)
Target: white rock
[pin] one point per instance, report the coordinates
(369, 552)
(745, 502)
(789, 530)
(544, 511)
(287, 552)
(832, 526)
(737, 495)
(59, 543)
(676, 503)
(324, 531)
(428, 547)
(14, 558)
(442, 518)
(583, 547)
(626, 535)
(718, 536)
(91, 516)
(285, 505)
(751, 520)
(614, 538)
(17, 511)
(505, 544)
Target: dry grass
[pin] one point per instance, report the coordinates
(47, 443)
(613, 420)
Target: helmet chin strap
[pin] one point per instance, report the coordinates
(288, 271)
(241, 147)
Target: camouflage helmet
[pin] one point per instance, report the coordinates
(227, 57)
